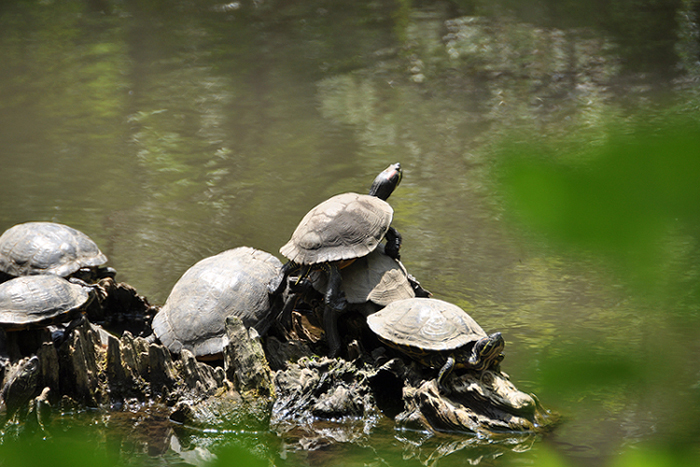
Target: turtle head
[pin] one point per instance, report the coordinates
(385, 183)
(487, 351)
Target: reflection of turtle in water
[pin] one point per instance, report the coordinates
(341, 229)
(437, 334)
(232, 283)
(50, 248)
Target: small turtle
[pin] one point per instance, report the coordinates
(232, 283)
(368, 284)
(341, 229)
(30, 302)
(50, 248)
(437, 334)
(374, 280)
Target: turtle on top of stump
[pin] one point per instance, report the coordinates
(28, 302)
(50, 248)
(30, 306)
(372, 282)
(437, 334)
(336, 232)
(232, 283)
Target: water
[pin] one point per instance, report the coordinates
(171, 131)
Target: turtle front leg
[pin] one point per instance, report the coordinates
(393, 243)
(4, 352)
(335, 304)
(444, 373)
(299, 288)
(417, 288)
(277, 284)
(278, 303)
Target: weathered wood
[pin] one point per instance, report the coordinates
(484, 403)
(93, 368)
(245, 362)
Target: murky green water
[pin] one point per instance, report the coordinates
(169, 131)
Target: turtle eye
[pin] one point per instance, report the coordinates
(488, 346)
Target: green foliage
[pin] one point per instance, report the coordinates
(68, 451)
(78, 448)
(631, 197)
(232, 456)
(636, 189)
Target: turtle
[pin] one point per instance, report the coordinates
(51, 248)
(231, 283)
(372, 282)
(437, 334)
(31, 302)
(336, 232)
(368, 284)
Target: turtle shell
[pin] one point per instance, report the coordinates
(232, 283)
(427, 324)
(375, 278)
(345, 226)
(37, 301)
(47, 248)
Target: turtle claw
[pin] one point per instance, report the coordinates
(444, 373)
(300, 286)
(418, 288)
(393, 243)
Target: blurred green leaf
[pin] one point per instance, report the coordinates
(623, 197)
(73, 451)
(232, 456)
(577, 371)
(656, 457)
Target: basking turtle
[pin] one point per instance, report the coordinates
(232, 283)
(341, 229)
(437, 334)
(29, 302)
(50, 248)
(368, 284)
(374, 280)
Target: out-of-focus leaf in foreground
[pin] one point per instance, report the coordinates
(623, 197)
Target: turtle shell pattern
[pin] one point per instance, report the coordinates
(345, 226)
(232, 283)
(47, 248)
(421, 327)
(36, 301)
(375, 278)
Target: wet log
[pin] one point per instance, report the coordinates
(322, 401)
(245, 362)
(315, 400)
(477, 403)
(21, 384)
(78, 370)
